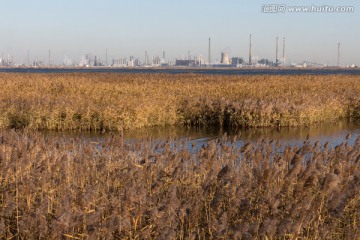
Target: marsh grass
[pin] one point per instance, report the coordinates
(72, 188)
(96, 102)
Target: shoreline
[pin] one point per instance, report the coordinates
(184, 70)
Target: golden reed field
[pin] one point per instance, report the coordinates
(127, 101)
(71, 187)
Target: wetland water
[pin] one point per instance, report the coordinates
(334, 133)
(206, 71)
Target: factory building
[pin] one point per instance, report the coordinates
(237, 61)
(122, 62)
(7, 62)
(184, 62)
(156, 62)
(196, 62)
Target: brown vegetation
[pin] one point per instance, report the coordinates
(59, 187)
(128, 101)
(56, 187)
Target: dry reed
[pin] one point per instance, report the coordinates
(72, 188)
(127, 101)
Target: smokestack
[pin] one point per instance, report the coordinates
(277, 51)
(145, 60)
(49, 58)
(250, 52)
(338, 56)
(209, 54)
(284, 60)
(106, 58)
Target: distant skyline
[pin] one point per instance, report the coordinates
(70, 29)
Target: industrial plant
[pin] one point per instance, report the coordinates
(89, 60)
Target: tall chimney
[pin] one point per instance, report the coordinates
(106, 58)
(146, 59)
(338, 56)
(209, 54)
(250, 52)
(277, 50)
(284, 60)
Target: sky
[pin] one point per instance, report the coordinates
(72, 28)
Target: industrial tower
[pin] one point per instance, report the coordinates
(338, 56)
(284, 60)
(277, 51)
(209, 54)
(250, 52)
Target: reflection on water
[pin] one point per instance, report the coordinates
(334, 133)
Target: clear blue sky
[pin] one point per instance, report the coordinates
(129, 27)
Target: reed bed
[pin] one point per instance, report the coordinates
(73, 188)
(98, 102)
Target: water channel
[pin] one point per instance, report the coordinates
(334, 133)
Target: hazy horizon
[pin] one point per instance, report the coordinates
(129, 28)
